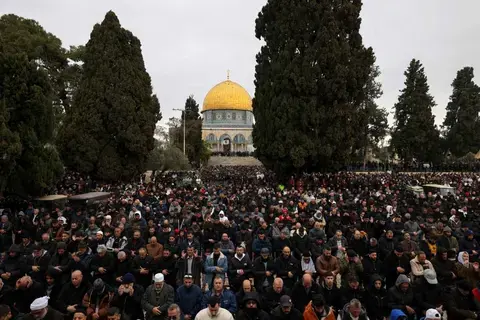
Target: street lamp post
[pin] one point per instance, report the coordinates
(184, 121)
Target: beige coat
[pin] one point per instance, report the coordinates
(417, 268)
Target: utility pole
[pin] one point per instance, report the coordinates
(184, 121)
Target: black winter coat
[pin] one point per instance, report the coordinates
(130, 304)
(397, 299)
(371, 267)
(278, 314)
(69, 295)
(390, 268)
(146, 263)
(283, 266)
(300, 297)
(377, 301)
(259, 272)
(41, 261)
(107, 262)
(234, 265)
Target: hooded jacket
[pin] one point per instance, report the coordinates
(397, 313)
(443, 268)
(278, 314)
(344, 314)
(397, 299)
(104, 302)
(376, 300)
(252, 314)
(310, 314)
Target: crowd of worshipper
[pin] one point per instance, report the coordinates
(239, 244)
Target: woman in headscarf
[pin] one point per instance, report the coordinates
(467, 270)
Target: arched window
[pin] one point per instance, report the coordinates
(239, 138)
(211, 138)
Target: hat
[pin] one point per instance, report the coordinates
(63, 220)
(98, 285)
(21, 214)
(128, 278)
(432, 314)
(430, 276)
(351, 253)
(285, 301)
(264, 250)
(446, 229)
(158, 278)
(100, 232)
(39, 304)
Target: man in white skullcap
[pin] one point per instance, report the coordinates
(157, 298)
(39, 309)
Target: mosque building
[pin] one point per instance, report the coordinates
(228, 118)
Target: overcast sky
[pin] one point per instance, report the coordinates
(188, 45)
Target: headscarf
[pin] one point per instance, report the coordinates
(460, 257)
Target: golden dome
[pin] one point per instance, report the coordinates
(227, 95)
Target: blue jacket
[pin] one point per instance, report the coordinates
(189, 299)
(227, 300)
(210, 270)
(260, 244)
(396, 313)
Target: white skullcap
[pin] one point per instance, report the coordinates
(108, 217)
(39, 304)
(100, 232)
(158, 278)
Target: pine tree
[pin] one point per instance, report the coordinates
(26, 125)
(415, 135)
(309, 84)
(461, 123)
(110, 131)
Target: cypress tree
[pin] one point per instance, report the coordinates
(192, 109)
(109, 132)
(193, 132)
(31, 164)
(461, 123)
(415, 135)
(310, 83)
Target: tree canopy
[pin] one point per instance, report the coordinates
(415, 135)
(195, 149)
(462, 124)
(310, 84)
(30, 162)
(109, 131)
